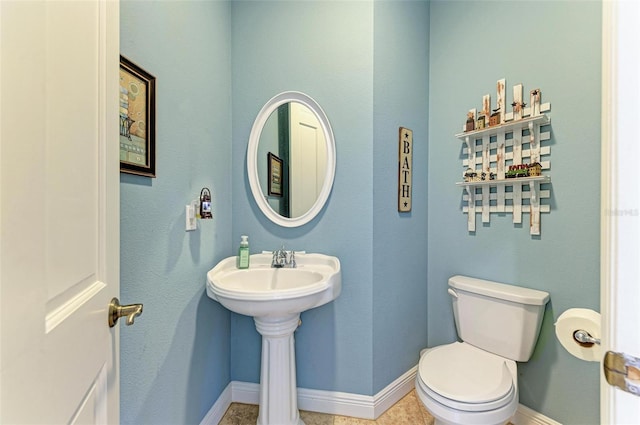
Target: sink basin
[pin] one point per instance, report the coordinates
(275, 298)
(262, 290)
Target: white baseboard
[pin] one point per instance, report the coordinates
(527, 416)
(393, 392)
(346, 404)
(331, 402)
(245, 392)
(357, 405)
(217, 411)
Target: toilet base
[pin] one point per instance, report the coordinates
(446, 416)
(439, 422)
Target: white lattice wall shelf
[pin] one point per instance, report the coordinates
(492, 150)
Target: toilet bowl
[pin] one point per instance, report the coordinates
(461, 384)
(475, 382)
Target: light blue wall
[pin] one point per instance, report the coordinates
(373, 66)
(401, 67)
(555, 46)
(323, 49)
(175, 360)
(340, 54)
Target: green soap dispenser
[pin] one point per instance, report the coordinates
(243, 252)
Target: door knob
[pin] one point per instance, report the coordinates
(117, 311)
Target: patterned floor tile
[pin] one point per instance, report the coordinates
(240, 414)
(409, 410)
(313, 418)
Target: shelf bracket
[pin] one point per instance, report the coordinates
(471, 153)
(471, 207)
(470, 190)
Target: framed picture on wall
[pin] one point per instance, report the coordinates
(274, 167)
(137, 120)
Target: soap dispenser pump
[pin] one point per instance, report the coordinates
(243, 253)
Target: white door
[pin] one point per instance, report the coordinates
(308, 159)
(620, 240)
(59, 211)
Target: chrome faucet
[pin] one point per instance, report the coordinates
(282, 258)
(279, 258)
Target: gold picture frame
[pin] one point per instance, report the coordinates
(137, 120)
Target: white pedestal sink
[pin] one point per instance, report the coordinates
(275, 297)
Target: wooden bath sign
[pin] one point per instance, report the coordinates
(405, 164)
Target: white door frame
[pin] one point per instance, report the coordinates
(620, 198)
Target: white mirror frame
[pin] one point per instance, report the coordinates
(252, 158)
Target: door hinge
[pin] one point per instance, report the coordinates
(622, 371)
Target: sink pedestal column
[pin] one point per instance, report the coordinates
(278, 391)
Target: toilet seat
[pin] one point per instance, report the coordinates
(463, 377)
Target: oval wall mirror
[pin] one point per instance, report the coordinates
(291, 159)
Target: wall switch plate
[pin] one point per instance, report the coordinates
(191, 223)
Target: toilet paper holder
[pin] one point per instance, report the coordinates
(583, 338)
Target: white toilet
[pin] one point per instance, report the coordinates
(475, 382)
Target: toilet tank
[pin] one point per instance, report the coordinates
(496, 317)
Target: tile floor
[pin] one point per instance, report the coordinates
(408, 411)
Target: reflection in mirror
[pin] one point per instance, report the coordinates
(291, 159)
(294, 135)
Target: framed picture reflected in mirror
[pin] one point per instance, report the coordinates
(274, 167)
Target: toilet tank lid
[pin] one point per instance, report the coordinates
(501, 291)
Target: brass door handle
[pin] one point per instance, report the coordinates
(622, 371)
(117, 311)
